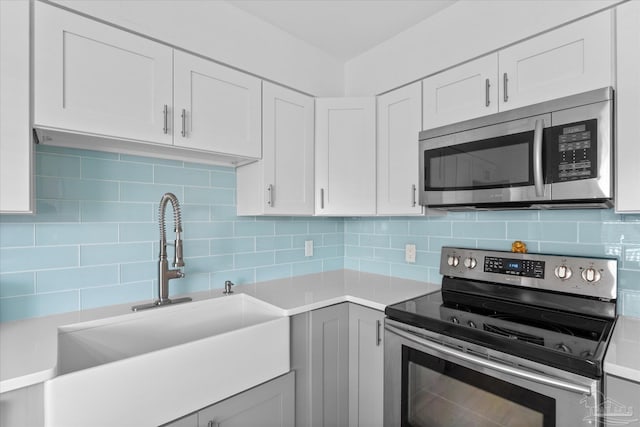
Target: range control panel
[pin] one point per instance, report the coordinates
(596, 277)
(515, 267)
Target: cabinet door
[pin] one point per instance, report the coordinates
(270, 404)
(345, 156)
(464, 92)
(15, 123)
(627, 107)
(96, 79)
(572, 59)
(282, 182)
(330, 366)
(216, 108)
(366, 367)
(399, 122)
(622, 402)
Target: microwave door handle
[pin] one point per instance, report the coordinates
(538, 179)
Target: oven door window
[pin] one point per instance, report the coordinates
(500, 162)
(437, 392)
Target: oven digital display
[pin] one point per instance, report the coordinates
(514, 267)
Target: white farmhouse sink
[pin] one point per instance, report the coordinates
(150, 367)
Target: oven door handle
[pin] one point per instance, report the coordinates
(542, 379)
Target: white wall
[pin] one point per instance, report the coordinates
(468, 29)
(227, 34)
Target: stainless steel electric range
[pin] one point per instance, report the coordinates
(511, 339)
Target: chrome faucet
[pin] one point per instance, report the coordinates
(164, 273)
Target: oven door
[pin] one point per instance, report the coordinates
(501, 163)
(428, 384)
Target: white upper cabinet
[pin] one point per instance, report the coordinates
(463, 92)
(15, 125)
(572, 59)
(93, 78)
(399, 122)
(100, 87)
(628, 108)
(282, 182)
(345, 156)
(216, 108)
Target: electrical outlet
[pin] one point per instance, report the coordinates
(308, 248)
(410, 253)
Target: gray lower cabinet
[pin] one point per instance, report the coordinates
(268, 405)
(337, 355)
(622, 403)
(320, 358)
(366, 366)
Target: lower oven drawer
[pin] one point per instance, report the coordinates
(432, 380)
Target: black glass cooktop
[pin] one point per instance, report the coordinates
(537, 326)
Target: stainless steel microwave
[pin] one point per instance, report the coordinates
(556, 154)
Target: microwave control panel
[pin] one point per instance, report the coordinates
(572, 151)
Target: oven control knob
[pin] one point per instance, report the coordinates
(470, 262)
(590, 275)
(453, 261)
(563, 272)
(563, 347)
(455, 320)
(472, 324)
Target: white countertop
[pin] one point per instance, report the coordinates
(28, 348)
(623, 355)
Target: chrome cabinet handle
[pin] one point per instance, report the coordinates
(413, 195)
(538, 179)
(165, 112)
(270, 195)
(322, 198)
(184, 123)
(213, 423)
(378, 335)
(505, 83)
(478, 361)
(487, 85)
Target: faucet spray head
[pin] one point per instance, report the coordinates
(178, 261)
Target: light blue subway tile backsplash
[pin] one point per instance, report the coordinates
(75, 188)
(119, 212)
(69, 234)
(76, 278)
(118, 294)
(94, 239)
(56, 165)
(38, 305)
(141, 192)
(16, 235)
(115, 253)
(16, 284)
(181, 176)
(13, 260)
(272, 243)
(221, 196)
(108, 170)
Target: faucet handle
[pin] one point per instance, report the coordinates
(227, 287)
